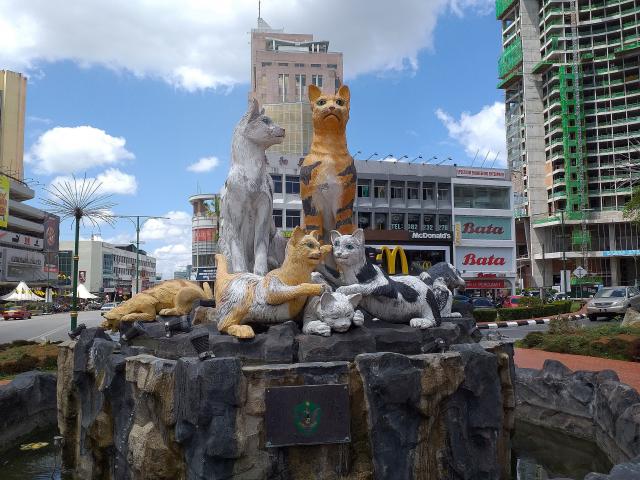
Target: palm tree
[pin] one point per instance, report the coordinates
(81, 200)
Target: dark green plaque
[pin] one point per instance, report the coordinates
(307, 415)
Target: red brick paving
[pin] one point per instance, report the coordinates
(628, 372)
(4, 382)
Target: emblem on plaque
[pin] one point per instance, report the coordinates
(307, 417)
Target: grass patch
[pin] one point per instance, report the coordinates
(606, 341)
(22, 356)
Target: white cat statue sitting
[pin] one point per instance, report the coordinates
(331, 311)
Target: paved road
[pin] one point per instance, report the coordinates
(48, 327)
(517, 333)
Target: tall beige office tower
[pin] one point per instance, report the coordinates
(282, 66)
(13, 89)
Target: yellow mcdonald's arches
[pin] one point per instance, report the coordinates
(390, 255)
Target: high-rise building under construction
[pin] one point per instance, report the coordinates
(570, 71)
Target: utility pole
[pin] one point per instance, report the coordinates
(564, 254)
(138, 225)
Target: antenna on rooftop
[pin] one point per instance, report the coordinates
(259, 9)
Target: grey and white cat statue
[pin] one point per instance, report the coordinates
(443, 278)
(331, 311)
(401, 299)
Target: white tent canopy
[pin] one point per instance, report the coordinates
(22, 293)
(83, 292)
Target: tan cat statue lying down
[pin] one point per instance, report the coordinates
(279, 296)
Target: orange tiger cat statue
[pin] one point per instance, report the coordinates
(328, 174)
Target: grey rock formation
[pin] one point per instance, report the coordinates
(27, 404)
(130, 415)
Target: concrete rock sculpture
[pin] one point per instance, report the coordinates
(328, 173)
(246, 224)
(275, 298)
(173, 297)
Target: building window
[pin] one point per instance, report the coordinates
(300, 65)
(444, 222)
(397, 190)
(293, 218)
(413, 222)
(397, 221)
(332, 65)
(266, 64)
(284, 64)
(277, 218)
(477, 196)
(292, 184)
(301, 84)
(413, 189)
(427, 192)
(381, 221)
(380, 189)
(429, 222)
(316, 65)
(283, 86)
(277, 183)
(443, 193)
(363, 188)
(316, 80)
(364, 220)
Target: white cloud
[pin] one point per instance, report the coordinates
(174, 233)
(112, 181)
(116, 181)
(76, 149)
(194, 44)
(483, 131)
(205, 164)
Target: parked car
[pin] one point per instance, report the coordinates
(462, 304)
(107, 306)
(459, 297)
(482, 302)
(16, 313)
(610, 302)
(511, 301)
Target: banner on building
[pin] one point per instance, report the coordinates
(23, 265)
(21, 240)
(485, 284)
(485, 259)
(204, 235)
(82, 276)
(5, 186)
(51, 242)
(484, 228)
(480, 172)
(205, 274)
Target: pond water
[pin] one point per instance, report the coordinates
(41, 464)
(538, 454)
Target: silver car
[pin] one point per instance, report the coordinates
(613, 301)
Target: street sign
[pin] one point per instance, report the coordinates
(580, 272)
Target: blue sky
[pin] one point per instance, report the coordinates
(154, 101)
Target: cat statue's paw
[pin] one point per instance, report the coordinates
(358, 318)
(422, 323)
(317, 328)
(454, 315)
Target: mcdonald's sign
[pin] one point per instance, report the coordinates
(390, 256)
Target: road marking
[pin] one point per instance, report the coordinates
(512, 324)
(46, 334)
(492, 325)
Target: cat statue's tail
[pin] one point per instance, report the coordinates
(223, 277)
(208, 294)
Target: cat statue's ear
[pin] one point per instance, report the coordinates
(253, 111)
(355, 299)
(325, 301)
(297, 235)
(315, 234)
(359, 235)
(314, 93)
(343, 92)
(334, 235)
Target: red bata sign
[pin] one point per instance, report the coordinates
(484, 283)
(490, 229)
(472, 259)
